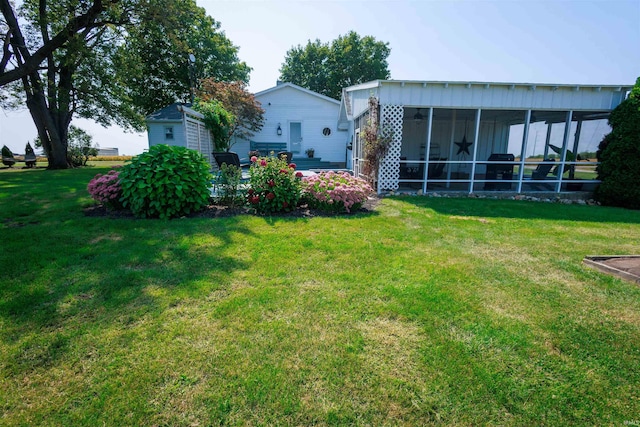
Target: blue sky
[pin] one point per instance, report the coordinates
(569, 41)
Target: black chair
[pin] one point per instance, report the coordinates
(288, 154)
(228, 157)
(7, 157)
(543, 169)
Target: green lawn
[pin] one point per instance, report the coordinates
(429, 310)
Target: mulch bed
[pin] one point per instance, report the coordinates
(220, 211)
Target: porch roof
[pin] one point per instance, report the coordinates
(473, 94)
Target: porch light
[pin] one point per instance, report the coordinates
(279, 130)
(418, 117)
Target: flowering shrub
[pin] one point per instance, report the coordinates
(275, 186)
(335, 192)
(106, 189)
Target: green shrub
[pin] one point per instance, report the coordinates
(619, 155)
(166, 182)
(275, 185)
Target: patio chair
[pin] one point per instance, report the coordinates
(7, 157)
(288, 154)
(543, 169)
(228, 157)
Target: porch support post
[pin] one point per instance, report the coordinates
(547, 141)
(451, 139)
(565, 142)
(475, 150)
(523, 153)
(427, 151)
(576, 141)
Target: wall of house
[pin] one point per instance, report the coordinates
(156, 134)
(285, 105)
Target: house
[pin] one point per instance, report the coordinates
(482, 136)
(179, 125)
(297, 119)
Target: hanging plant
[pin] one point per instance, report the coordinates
(376, 142)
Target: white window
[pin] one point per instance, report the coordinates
(168, 133)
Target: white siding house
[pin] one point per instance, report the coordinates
(483, 136)
(179, 125)
(297, 119)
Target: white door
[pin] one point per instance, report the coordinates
(295, 137)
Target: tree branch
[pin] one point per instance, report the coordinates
(32, 62)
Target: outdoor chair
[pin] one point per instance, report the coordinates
(288, 154)
(30, 160)
(543, 169)
(7, 157)
(228, 157)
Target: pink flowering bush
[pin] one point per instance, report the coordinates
(106, 189)
(335, 192)
(274, 185)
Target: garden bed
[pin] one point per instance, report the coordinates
(624, 266)
(221, 211)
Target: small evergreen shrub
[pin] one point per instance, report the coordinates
(227, 184)
(619, 156)
(106, 189)
(275, 185)
(335, 192)
(166, 182)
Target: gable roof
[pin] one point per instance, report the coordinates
(170, 113)
(280, 86)
(173, 113)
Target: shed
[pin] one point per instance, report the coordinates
(181, 126)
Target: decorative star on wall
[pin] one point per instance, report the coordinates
(463, 147)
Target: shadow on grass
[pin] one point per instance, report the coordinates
(491, 208)
(66, 274)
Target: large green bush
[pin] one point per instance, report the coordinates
(619, 155)
(166, 182)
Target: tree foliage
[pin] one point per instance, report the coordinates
(113, 61)
(326, 68)
(619, 155)
(218, 120)
(235, 99)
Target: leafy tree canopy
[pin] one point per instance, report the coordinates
(326, 68)
(113, 61)
(619, 155)
(242, 107)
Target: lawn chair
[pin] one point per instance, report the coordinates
(288, 154)
(231, 159)
(7, 157)
(228, 157)
(543, 169)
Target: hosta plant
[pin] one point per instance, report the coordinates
(166, 182)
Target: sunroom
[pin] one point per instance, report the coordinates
(474, 136)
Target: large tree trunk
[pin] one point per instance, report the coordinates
(52, 131)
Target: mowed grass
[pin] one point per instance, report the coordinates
(426, 311)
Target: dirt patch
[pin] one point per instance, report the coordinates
(220, 211)
(624, 266)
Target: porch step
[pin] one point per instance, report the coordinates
(305, 163)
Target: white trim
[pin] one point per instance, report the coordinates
(301, 89)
